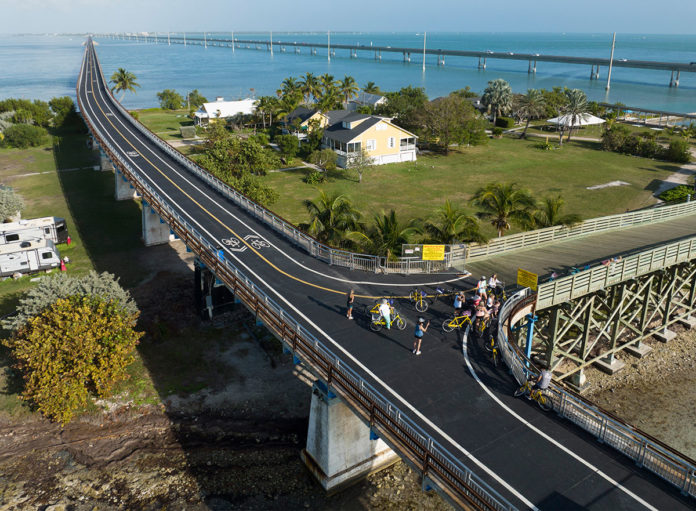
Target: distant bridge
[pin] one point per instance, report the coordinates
(676, 68)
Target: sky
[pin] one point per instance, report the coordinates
(80, 16)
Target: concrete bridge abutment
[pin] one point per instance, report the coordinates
(341, 448)
(123, 190)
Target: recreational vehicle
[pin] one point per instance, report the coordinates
(28, 257)
(51, 227)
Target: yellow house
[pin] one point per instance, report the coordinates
(349, 133)
(302, 118)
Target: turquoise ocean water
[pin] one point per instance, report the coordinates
(47, 66)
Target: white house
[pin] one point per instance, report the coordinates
(366, 99)
(221, 109)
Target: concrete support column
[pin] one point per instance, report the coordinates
(155, 230)
(123, 190)
(676, 82)
(597, 73)
(104, 161)
(534, 68)
(341, 449)
(671, 80)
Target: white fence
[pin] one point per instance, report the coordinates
(591, 226)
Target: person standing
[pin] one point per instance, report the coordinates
(421, 328)
(458, 304)
(385, 312)
(481, 287)
(349, 304)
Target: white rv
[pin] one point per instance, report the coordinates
(51, 228)
(28, 257)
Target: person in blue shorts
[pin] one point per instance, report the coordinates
(421, 328)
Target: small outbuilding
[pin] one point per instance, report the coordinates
(221, 109)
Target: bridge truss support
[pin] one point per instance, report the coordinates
(593, 329)
(341, 449)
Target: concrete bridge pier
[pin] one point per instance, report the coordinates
(314, 51)
(676, 81)
(341, 448)
(592, 72)
(440, 60)
(123, 190)
(407, 56)
(534, 68)
(155, 230)
(484, 63)
(104, 161)
(378, 55)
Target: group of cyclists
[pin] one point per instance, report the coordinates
(480, 310)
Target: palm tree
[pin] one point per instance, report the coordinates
(348, 88)
(309, 85)
(332, 218)
(263, 106)
(498, 97)
(549, 214)
(502, 203)
(452, 225)
(123, 81)
(371, 88)
(289, 87)
(576, 106)
(530, 106)
(327, 89)
(387, 235)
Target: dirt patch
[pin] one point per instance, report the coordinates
(656, 393)
(226, 431)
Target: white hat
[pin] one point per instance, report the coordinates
(421, 320)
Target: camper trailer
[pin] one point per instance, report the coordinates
(28, 257)
(51, 228)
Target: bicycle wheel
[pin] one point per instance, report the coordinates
(447, 325)
(400, 323)
(375, 326)
(413, 295)
(521, 391)
(421, 305)
(544, 402)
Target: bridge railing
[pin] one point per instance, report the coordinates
(604, 275)
(646, 451)
(594, 225)
(397, 428)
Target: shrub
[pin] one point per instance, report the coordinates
(63, 109)
(315, 177)
(678, 193)
(24, 135)
(287, 144)
(325, 159)
(497, 132)
(49, 290)
(170, 99)
(135, 115)
(505, 122)
(10, 203)
(648, 148)
(187, 131)
(78, 346)
(678, 151)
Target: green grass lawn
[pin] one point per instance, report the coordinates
(165, 123)
(417, 189)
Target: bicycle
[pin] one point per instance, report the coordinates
(420, 298)
(492, 348)
(480, 326)
(455, 322)
(536, 394)
(378, 321)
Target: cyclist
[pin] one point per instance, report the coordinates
(542, 381)
(482, 286)
(385, 312)
(458, 303)
(493, 284)
(421, 328)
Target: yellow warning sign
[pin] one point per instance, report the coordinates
(433, 252)
(527, 279)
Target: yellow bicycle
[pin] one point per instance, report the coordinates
(378, 321)
(455, 322)
(536, 394)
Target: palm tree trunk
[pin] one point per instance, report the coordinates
(526, 126)
(570, 131)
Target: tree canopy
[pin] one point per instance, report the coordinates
(170, 99)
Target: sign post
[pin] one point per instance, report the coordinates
(527, 279)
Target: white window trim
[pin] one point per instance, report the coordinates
(371, 142)
(391, 143)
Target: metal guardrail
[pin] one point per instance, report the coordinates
(646, 451)
(401, 432)
(603, 276)
(594, 225)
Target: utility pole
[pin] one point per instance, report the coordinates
(611, 61)
(328, 46)
(424, 35)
